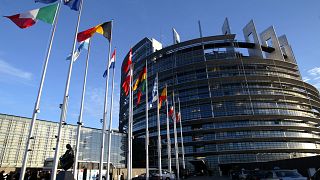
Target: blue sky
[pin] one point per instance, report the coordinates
(22, 51)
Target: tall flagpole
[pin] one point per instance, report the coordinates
(105, 109)
(159, 129)
(129, 162)
(65, 99)
(175, 138)
(75, 166)
(181, 136)
(205, 59)
(110, 123)
(168, 134)
(131, 122)
(147, 124)
(36, 109)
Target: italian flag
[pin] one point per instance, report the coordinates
(27, 19)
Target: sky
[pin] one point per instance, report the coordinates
(22, 51)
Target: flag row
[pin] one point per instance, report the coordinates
(140, 86)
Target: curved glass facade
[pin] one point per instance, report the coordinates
(236, 106)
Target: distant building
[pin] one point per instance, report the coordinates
(14, 132)
(241, 101)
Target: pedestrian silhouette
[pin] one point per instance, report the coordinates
(2, 175)
(67, 159)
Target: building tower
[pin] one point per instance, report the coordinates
(240, 101)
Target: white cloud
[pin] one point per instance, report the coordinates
(10, 70)
(313, 77)
(315, 71)
(94, 102)
(306, 79)
(116, 106)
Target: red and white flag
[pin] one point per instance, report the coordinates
(129, 62)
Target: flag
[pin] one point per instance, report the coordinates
(139, 97)
(113, 59)
(73, 4)
(178, 117)
(143, 86)
(81, 36)
(154, 96)
(171, 111)
(126, 84)
(129, 62)
(155, 90)
(46, 1)
(176, 36)
(141, 78)
(83, 45)
(162, 97)
(27, 19)
(111, 64)
(150, 103)
(104, 29)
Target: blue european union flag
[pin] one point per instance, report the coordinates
(73, 4)
(46, 1)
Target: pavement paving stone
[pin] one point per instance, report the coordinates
(208, 178)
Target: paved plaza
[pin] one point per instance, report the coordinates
(208, 178)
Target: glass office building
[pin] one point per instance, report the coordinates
(241, 101)
(14, 132)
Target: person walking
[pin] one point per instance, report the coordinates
(122, 176)
(10, 176)
(2, 175)
(16, 175)
(33, 175)
(27, 176)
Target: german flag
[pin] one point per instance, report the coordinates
(104, 29)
